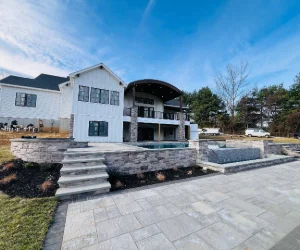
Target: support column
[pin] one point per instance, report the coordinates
(181, 128)
(158, 132)
(133, 122)
(71, 134)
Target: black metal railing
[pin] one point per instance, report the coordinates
(156, 114)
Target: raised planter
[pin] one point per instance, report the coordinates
(42, 150)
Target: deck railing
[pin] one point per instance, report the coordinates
(157, 115)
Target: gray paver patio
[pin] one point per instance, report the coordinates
(257, 209)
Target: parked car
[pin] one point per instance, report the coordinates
(209, 131)
(256, 132)
(296, 135)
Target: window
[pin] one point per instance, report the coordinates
(83, 94)
(99, 95)
(144, 100)
(114, 98)
(98, 128)
(25, 100)
(104, 96)
(95, 95)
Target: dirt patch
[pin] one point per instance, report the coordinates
(29, 180)
(120, 182)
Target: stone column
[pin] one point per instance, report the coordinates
(71, 126)
(134, 125)
(181, 128)
(202, 149)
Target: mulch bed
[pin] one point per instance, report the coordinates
(23, 179)
(120, 182)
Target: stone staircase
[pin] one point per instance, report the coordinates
(83, 173)
(291, 151)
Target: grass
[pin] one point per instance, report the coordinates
(23, 222)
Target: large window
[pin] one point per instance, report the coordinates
(25, 100)
(104, 96)
(98, 128)
(114, 98)
(144, 100)
(100, 96)
(83, 94)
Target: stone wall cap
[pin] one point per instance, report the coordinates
(41, 140)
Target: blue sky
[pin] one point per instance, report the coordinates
(181, 42)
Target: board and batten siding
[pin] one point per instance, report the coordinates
(66, 101)
(47, 103)
(88, 111)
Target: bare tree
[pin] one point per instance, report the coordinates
(3, 75)
(232, 85)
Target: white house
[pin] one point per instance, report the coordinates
(95, 105)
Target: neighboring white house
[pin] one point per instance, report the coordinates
(95, 105)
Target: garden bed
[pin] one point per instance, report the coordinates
(29, 180)
(120, 182)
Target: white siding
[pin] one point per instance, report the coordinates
(66, 101)
(47, 104)
(87, 111)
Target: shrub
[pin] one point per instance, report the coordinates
(46, 186)
(160, 176)
(8, 166)
(31, 166)
(6, 180)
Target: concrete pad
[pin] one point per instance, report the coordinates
(222, 236)
(117, 226)
(178, 227)
(192, 242)
(244, 206)
(78, 225)
(145, 232)
(156, 242)
(124, 242)
(203, 208)
(153, 215)
(215, 196)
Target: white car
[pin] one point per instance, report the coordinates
(256, 132)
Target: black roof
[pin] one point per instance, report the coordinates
(175, 103)
(43, 81)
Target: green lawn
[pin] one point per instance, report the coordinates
(23, 222)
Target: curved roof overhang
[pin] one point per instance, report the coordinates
(160, 89)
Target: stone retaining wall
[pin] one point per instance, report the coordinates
(43, 150)
(263, 145)
(132, 162)
(276, 148)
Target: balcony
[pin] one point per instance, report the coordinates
(156, 114)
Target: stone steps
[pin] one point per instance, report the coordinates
(79, 191)
(83, 162)
(82, 174)
(69, 155)
(79, 170)
(77, 180)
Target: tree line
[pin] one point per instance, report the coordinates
(236, 104)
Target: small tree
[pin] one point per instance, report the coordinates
(232, 85)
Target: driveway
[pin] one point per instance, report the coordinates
(257, 209)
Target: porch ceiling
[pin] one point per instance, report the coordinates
(160, 89)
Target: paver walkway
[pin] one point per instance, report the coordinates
(254, 210)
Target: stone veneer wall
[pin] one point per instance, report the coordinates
(276, 148)
(132, 162)
(43, 150)
(71, 126)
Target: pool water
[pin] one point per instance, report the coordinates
(165, 145)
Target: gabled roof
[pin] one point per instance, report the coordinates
(100, 66)
(43, 81)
